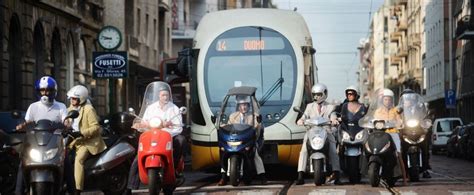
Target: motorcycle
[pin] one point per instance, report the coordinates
(351, 149)
(380, 150)
(155, 149)
(414, 133)
(317, 146)
(43, 156)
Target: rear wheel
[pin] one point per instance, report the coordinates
(318, 171)
(234, 170)
(353, 169)
(374, 177)
(414, 170)
(154, 181)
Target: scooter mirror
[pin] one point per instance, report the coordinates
(259, 118)
(131, 110)
(297, 109)
(213, 119)
(16, 115)
(72, 114)
(183, 110)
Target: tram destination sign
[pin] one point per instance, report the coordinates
(109, 65)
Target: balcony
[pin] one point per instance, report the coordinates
(395, 36)
(402, 24)
(465, 28)
(402, 2)
(415, 39)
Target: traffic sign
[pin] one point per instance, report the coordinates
(450, 99)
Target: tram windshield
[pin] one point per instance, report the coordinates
(251, 56)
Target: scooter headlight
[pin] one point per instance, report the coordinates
(154, 143)
(359, 135)
(155, 122)
(234, 143)
(51, 153)
(36, 155)
(412, 123)
(318, 142)
(379, 125)
(426, 124)
(345, 136)
(408, 140)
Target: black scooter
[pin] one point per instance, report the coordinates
(381, 154)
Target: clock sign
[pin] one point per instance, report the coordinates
(109, 38)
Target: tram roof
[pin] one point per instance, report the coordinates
(289, 23)
(242, 90)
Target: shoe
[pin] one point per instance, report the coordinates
(337, 176)
(128, 192)
(222, 182)
(300, 180)
(77, 192)
(426, 174)
(263, 179)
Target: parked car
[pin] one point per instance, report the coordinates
(461, 142)
(442, 129)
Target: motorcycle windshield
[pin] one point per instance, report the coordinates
(152, 95)
(239, 111)
(381, 109)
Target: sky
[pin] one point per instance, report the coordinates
(336, 27)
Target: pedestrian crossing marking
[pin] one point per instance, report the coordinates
(256, 192)
(328, 192)
(462, 192)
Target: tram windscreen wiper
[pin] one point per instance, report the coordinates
(278, 84)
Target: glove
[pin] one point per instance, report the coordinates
(75, 134)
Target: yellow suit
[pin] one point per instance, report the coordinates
(90, 143)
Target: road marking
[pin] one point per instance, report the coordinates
(453, 178)
(328, 192)
(462, 192)
(259, 192)
(404, 193)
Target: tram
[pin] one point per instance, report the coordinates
(269, 49)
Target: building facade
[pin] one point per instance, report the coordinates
(47, 37)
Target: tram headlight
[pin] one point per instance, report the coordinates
(277, 116)
(269, 116)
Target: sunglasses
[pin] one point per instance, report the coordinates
(317, 94)
(350, 93)
(74, 98)
(45, 90)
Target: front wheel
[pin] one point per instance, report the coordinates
(154, 181)
(318, 171)
(42, 188)
(374, 177)
(353, 169)
(414, 170)
(234, 170)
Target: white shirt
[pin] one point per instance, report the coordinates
(169, 110)
(37, 111)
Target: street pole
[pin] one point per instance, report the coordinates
(111, 96)
(450, 47)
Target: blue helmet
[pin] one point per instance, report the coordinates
(49, 83)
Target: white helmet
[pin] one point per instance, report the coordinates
(80, 92)
(317, 89)
(242, 99)
(354, 89)
(388, 92)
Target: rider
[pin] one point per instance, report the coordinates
(352, 110)
(320, 107)
(164, 109)
(88, 140)
(243, 116)
(390, 113)
(45, 108)
(408, 99)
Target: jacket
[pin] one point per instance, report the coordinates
(90, 130)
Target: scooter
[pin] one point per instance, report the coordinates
(43, 156)
(237, 143)
(9, 160)
(155, 158)
(380, 153)
(108, 170)
(351, 149)
(317, 147)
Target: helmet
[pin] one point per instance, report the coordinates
(240, 99)
(354, 89)
(319, 88)
(388, 92)
(50, 84)
(407, 91)
(80, 92)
